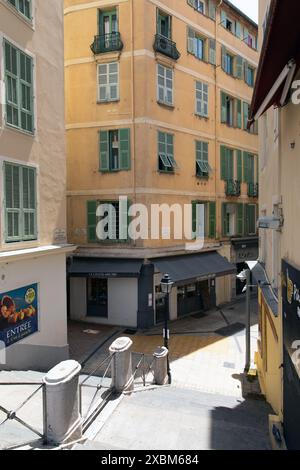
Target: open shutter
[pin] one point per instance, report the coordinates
(246, 114)
(91, 221)
(240, 220)
(212, 220)
(223, 58)
(238, 30)
(124, 137)
(212, 51)
(223, 108)
(246, 167)
(224, 175)
(224, 219)
(230, 159)
(191, 41)
(124, 205)
(223, 18)
(191, 2)
(211, 9)
(104, 150)
(238, 114)
(239, 165)
(239, 67)
(246, 219)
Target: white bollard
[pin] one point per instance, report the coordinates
(122, 379)
(160, 366)
(62, 415)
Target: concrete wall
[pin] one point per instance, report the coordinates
(49, 345)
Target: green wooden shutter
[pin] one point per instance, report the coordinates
(223, 108)
(194, 218)
(239, 67)
(104, 150)
(29, 203)
(224, 219)
(212, 220)
(191, 41)
(246, 219)
(223, 58)
(91, 221)
(246, 114)
(211, 9)
(223, 18)
(230, 161)
(239, 165)
(124, 137)
(240, 220)
(12, 202)
(246, 167)
(238, 113)
(224, 175)
(212, 51)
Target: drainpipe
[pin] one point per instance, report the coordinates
(133, 145)
(216, 137)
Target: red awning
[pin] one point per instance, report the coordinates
(280, 56)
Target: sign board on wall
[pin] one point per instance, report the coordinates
(18, 314)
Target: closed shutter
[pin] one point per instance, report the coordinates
(246, 219)
(223, 163)
(29, 203)
(224, 219)
(230, 160)
(212, 220)
(240, 220)
(239, 165)
(124, 205)
(212, 51)
(194, 218)
(91, 221)
(12, 193)
(104, 150)
(191, 41)
(246, 114)
(223, 108)
(124, 137)
(246, 167)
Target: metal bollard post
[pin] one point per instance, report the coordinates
(122, 379)
(62, 417)
(161, 366)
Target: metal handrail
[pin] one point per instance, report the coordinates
(107, 43)
(166, 46)
(143, 368)
(233, 188)
(12, 414)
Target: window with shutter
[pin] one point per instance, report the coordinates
(108, 82)
(115, 152)
(164, 85)
(212, 220)
(166, 160)
(202, 99)
(19, 88)
(239, 165)
(20, 203)
(203, 168)
(23, 7)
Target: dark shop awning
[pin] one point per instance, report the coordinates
(104, 267)
(197, 266)
(280, 57)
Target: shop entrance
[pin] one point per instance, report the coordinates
(193, 298)
(97, 298)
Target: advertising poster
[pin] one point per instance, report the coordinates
(18, 314)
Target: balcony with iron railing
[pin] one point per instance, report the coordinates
(107, 43)
(253, 190)
(165, 46)
(233, 188)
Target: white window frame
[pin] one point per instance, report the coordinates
(165, 88)
(107, 86)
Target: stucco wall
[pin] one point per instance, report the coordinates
(49, 345)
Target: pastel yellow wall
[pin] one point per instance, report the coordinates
(138, 110)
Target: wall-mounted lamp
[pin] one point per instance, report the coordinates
(293, 145)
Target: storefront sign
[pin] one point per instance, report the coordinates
(291, 311)
(18, 314)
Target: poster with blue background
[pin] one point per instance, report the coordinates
(18, 314)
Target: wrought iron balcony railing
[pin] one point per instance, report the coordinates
(253, 190)
(166, 46)
(233, 188)
(107, 43)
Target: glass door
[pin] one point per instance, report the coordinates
(97, 298)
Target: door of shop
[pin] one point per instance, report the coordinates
(97, 298)
(291, 355)
(192, 298)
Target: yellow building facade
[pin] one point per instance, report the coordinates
(157, 100)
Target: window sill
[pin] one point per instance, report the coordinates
(166, 105)
(111, 172)
(19, 130)
(202, 177)
(165, 172)
(201, 116)
(108, 101)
